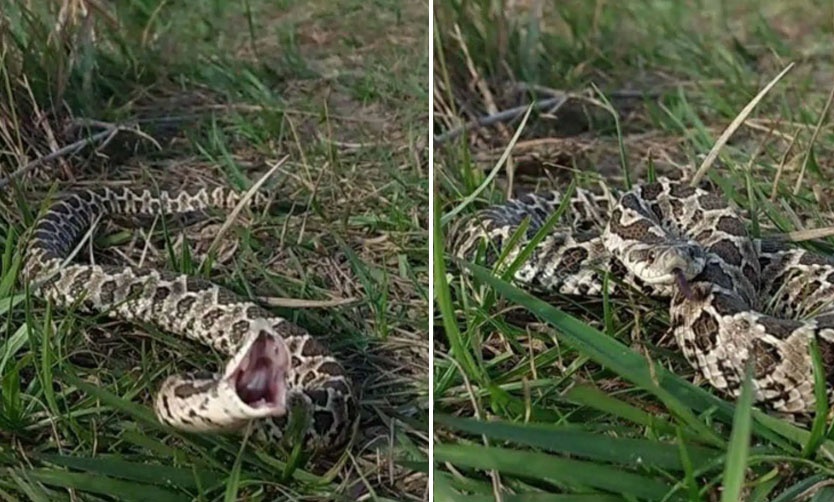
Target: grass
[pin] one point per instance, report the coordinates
(214, 93)
(559, 399)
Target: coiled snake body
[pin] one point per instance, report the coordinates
(275, 370)
(733, 299)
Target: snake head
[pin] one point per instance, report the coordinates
(672, 263)
(253, 385)
(259, 377)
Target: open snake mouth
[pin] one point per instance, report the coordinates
(260, 378)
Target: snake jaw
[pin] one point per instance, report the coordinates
(666, 265)
(254, 386)
(259, 379)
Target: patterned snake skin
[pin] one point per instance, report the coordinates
(733, 299)
(275, 370)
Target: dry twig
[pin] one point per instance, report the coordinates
(103, 137)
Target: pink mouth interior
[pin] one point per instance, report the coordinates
(259, 380)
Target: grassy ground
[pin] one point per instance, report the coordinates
(216, 93)
(567, 400)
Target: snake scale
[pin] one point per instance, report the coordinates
(275, 370)
(732, 298)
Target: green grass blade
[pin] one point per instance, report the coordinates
(688, 481)
(821, 397)
(33, 491)
(122, 490)
(109, 466)
(11, 345)
(541, 233)
(442, 490)
(443, 297)
(602, 349)
(623, 361)
(738, 449)
(552, 469)
(597, 399)
(540, 497)
(593, 446)
(135, 410)
(446, 218)
(801, 489)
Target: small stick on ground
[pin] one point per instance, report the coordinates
(67, 150)
(296, 303)
(103, 137)
(810, 234)
(503, 116)
(615, 94)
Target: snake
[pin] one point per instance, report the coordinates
(276, 374)
(735, 301)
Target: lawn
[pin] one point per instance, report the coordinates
(332, 99)
(570, 399)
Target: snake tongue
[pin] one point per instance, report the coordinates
(259, 380)
(683, 284)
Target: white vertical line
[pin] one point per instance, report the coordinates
(431, 249)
